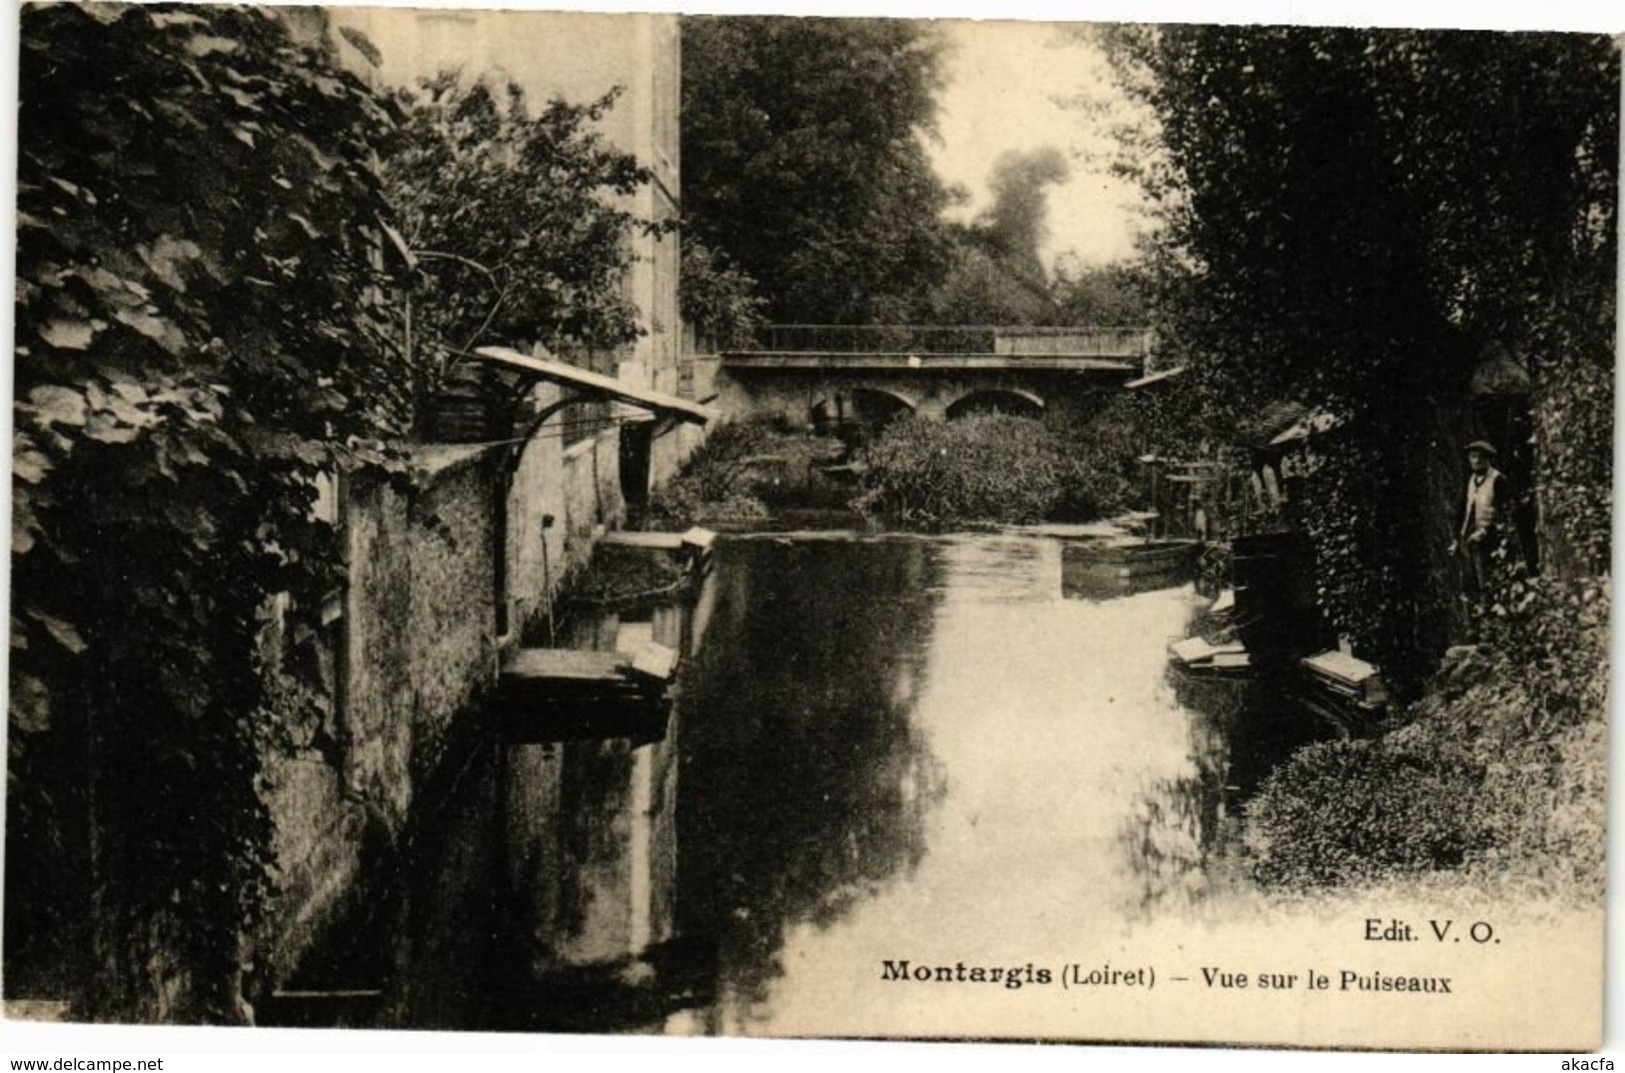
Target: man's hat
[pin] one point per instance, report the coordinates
(1481, 445)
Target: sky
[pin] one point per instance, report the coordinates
(1006, 81)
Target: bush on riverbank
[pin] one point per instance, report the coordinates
(1500, 772)
(1349, 811)
(985, 468)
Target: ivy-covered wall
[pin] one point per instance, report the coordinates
(220, 697)
(203, 328)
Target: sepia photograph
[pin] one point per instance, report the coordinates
(534, 522)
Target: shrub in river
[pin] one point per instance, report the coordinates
(978, 468)
(742, 468)
(1357, 811)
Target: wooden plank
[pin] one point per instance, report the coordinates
(566, 665)
(699, 539)
(1198, 650)
(1155, 378)
(1192, 650)
(655, 660)
(1340, 666)
(655, 541)
(559, 373)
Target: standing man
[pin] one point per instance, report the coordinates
(1485, 518)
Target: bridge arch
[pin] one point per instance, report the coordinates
(1012, 401)
(870, 408)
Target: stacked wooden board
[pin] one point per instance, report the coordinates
(1199, 656)
(1342, 676)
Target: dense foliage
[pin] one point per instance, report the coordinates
(803, 165)
(985, 468)
(239, 272)
(1108, 294)
(997, 274)
(1351, 219)
(718, 299)
(201, 328)
(1354, 221)
(980, 288)
(744, 470)
(1348, 811)
(518, 222)
(1502, 770)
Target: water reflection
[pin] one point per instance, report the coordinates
(1046, 717)
(1179, 836)
(914, 748)
(806, 781)
(1182, 837)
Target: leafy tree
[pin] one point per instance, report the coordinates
(1017, 223)
(202, 327)
(717, 298)
(1111, 294)
(803, 165)
(518, 223)
(983, 288)
(1350, 218)
(998, 275)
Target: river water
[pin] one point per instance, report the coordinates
(936, 750)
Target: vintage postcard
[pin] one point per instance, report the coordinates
(533, 522)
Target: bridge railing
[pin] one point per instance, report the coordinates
(924, 339)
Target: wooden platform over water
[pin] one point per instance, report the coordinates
(694, 544)
(651, 666)
(549, 694)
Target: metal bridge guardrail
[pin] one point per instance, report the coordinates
(927, 339)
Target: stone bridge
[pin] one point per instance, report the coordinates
(832, 376)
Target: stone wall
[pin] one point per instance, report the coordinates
(417, 648)
(698, 381)
(446, 568)
(791, 395)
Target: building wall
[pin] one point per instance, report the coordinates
(561, 499)
(697, 379)
(419, 649)
(422, 636)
